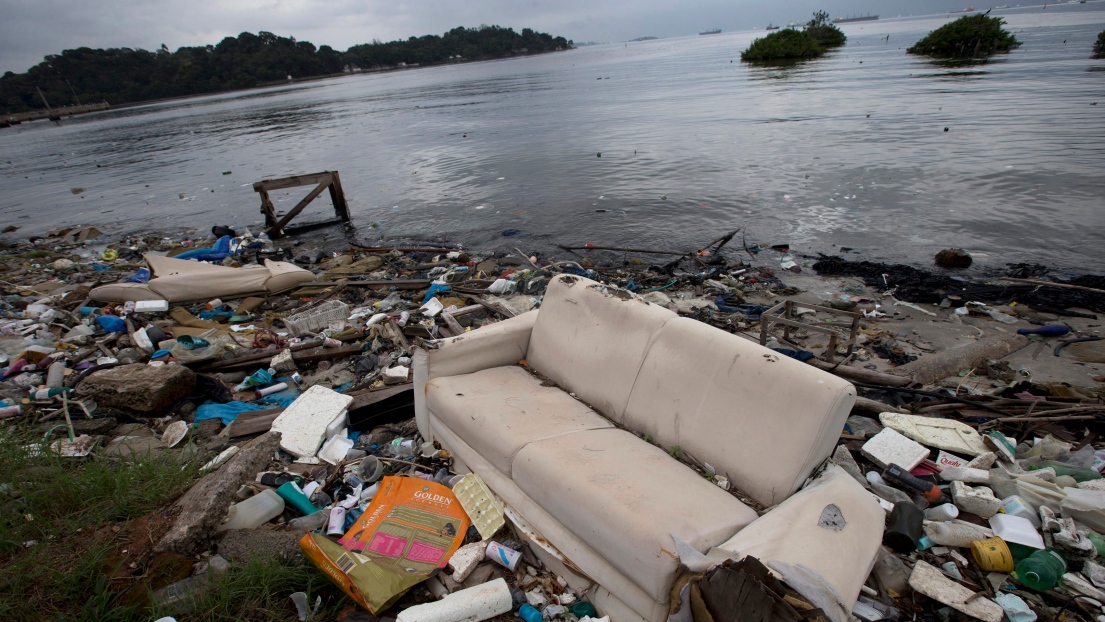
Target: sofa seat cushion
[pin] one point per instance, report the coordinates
(498, 411)
(625, 498)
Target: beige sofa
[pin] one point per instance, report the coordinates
(569, 453)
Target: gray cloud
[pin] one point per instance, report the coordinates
(31, 29)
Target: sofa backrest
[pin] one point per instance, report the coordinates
(760, 418)
(592, 343)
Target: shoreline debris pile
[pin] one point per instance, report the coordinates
(297, 402)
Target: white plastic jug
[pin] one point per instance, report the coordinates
(253, 512)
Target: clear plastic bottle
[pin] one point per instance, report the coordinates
(311, 522)
(1041, 570)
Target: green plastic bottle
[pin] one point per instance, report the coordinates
(1098, 541)
(1079, 474)
(1041, 570)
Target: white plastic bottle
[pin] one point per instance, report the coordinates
(253, 512)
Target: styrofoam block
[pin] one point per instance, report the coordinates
(475, 603)
(304, 425)
(980, 501)
(395, 375)
(334, 449)
(465, 560)
(890, 447)
(337, 425)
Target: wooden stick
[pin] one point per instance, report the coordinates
(1046, 419)
(526, 257)
(861, 375)
(1051, 284)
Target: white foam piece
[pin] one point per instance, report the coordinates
(475, 603)
(317, 414)
(891, 447)
(334, 449)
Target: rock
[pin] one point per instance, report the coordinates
(134, 448)
(138, 387)
(205, 505)
(101, 425)
(206, 429)
(242, 545)
(954, 258)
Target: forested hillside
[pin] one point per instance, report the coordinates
(124, 75)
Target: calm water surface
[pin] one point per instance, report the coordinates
(849, 150)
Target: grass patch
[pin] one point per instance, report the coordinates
(972, 36)
(94, 522)
(59, 520)
(786, 44)
(259, 592)
(1099, 45)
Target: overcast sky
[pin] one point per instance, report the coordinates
(30, 29)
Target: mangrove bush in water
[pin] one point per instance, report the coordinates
(825, 32)
(967, 37)
(1099, 46)
(788, 44)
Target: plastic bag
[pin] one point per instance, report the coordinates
(1085, 506)
(411, 528)
(1038, 493)
(213, 351)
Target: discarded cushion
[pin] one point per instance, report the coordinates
(499, 411)
(179, 280)
(626, 498)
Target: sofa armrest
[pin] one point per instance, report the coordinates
(801, 532)
(497, 345)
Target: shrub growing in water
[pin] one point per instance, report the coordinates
(783, 45)
(826, 33)
(967, 37)
(1099, 46)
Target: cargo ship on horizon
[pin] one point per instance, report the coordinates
(864, 18)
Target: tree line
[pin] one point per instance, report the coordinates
(125, 75)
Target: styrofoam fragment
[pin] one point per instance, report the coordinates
(980, 501)
(334, 449)
(1092, 484)
(983, 461)
(890, 447)
(465, 560)
(395, 375)
(304, 425)
(929, 581)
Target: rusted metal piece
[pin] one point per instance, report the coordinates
(326, 180)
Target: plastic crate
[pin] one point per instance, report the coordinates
(314, 320)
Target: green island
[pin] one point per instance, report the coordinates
(1099, 45)
(125, 75)
(974, 36)
(816, 37)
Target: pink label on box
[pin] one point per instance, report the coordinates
(386, 544)
(421, 552)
